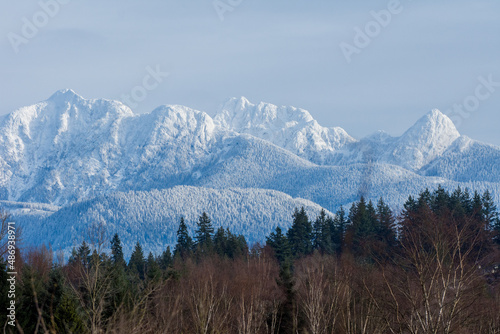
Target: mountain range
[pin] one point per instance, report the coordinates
(69, 162)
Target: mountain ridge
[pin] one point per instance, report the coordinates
(66, 154)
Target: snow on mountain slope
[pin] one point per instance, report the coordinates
(467, 160)
(152, 218)
(67, 148)
(253, 163)
(287, 127)
(425, 141)
(88, 155)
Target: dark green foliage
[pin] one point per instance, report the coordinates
(166, 259)
(117, 251)
(338, 228)
(185, 244)
(362, 229)
(490, 215)
(81, 255)
(66, 316)
(323, 229)
(279, 243)
(137, 264)
(229, 245)
(204, 231)
(371, 234)
(385, 231)
(300, 234)
(153, 268)
(474, 217)
(203, 234)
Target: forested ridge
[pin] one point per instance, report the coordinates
(432, 268)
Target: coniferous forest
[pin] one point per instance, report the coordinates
(431, 268)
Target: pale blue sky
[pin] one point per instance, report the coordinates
(430, 55)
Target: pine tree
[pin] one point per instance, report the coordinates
(490, 216)
(83, 254)
(279, 243)
(220, 242)
(322, 234)
(362, 229)
(386, 234)
(117, 251)
(166, 259)
(204, 233)
(137, 263)
(338, 228)
(152, 268)
(300, 234)
(185, 244)
(66, 316)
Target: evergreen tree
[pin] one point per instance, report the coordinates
(322, 234)
(300, 234)
(137, 263)
(279, 243)
(227, 244)
(66, 316)
(490, 216)
(220, 242)
(362, 230)
(153, 268)
(338, 228)
(386, 234)
(185, 244)
(166, 259)
(117, 251)
(83, 255)
(204, 233)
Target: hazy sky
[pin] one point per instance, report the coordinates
(428, 54)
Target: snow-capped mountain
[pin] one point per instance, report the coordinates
(426, 140)
(67, 148)
(291, 128)
(72, 153)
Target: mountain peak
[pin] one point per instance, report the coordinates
(435, 124)
(65, 94)
(429, 137)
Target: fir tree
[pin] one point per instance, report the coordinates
(338, 228)
(66, 316)
(117, 251)
(185, 244)
(204, 233)
(166, 259)
(153, 269)
(137, 263)
(386, 234)
(83, 254)
(490, 216)
(300, 234)
(279, 243)
(362, 229)
(322, 234)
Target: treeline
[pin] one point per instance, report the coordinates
(431, 269)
